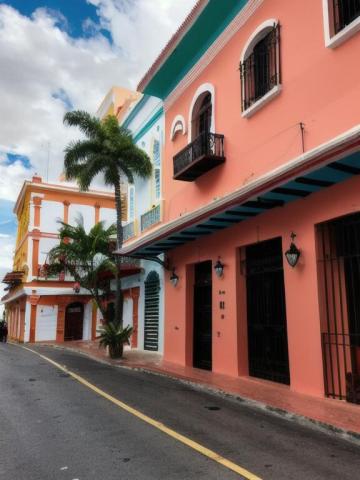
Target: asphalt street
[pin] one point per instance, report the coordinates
(53, 427)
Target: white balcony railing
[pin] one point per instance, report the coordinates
(150, 218)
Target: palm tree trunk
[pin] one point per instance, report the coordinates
(119, 242)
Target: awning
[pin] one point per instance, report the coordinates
(311, 172)
(14, 277)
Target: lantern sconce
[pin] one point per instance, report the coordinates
(174, 279)
(293, 254)
(219, 268)
(76, 287)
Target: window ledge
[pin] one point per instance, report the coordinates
(274, 92)
(343, 35)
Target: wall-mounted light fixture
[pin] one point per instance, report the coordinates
(219, 268)
(174, 279)
(293, 254)
(76, 287)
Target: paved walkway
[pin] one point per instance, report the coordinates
(334, 413)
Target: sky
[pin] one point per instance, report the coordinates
(60, 55)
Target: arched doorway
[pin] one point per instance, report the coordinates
(152, 308)
(74, 319)
(201, 116)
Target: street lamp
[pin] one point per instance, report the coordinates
(293, 254)
(174, 279)
(219, 268)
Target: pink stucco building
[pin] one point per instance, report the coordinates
(262, 140)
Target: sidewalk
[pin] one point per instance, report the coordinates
(329, 413)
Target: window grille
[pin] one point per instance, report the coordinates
(260, 71)
(344, 13)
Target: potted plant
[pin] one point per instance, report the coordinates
(114, 336)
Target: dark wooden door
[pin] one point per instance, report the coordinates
(74, 318)
(152, 306)
(267, 333)
(202, 356)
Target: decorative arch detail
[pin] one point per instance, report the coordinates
(178, 125)
(256, 36)
(201, 91)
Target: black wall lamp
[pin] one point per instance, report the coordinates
(219, 268)
(293, 254)
(174, 279)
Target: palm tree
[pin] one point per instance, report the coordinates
(88, 258)
(107, 149)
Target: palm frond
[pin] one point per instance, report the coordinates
(88, 124)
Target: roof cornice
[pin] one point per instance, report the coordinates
(173, 43)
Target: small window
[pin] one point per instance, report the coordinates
(156, 169)
(260, 69)
(131, 192)
(343, 13)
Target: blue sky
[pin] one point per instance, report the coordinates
(74, 11)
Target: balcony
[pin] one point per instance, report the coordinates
(150, 218)
(203, 154)
(129, 231)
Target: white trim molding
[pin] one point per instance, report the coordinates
(333, 40)
(249, 112)
(244, 192)
(205, 87)
(178, 125)
(241, 18)
(258, 34)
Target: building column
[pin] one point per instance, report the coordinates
(135, 294)
(97, 213)
(60, 325)
(93, 322)
(22, 321)
(34, 300)
(66, 211)
(37, 206)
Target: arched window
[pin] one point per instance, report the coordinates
(201, 112)
(201, 115)
(260, 65)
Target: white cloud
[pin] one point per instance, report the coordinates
(39, 59)
(43, 69)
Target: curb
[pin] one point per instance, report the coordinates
(309, 422)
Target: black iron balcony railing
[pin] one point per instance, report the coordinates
(200, 156)
(345, 12)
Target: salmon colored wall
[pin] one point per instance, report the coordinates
(302, 302)
(320, 87)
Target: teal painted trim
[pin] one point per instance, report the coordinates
(135, 111)
(149, 124)
(209, 25)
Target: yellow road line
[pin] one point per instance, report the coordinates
(160, 426)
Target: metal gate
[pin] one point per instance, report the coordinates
(339, 289)
(267, 333)
(151, 320)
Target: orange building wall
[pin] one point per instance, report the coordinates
(229, 335)
(320, 87)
